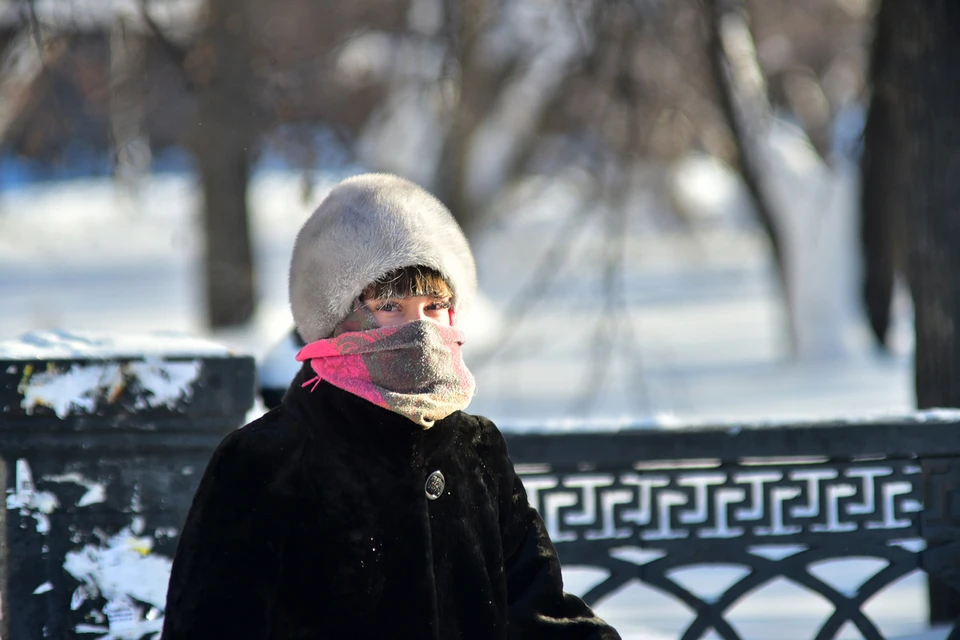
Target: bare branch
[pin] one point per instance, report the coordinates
(614, 330)
(177, 54)
(34, 23)
(546, 271)
(740, 84)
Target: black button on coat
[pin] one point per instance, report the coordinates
(313, 522)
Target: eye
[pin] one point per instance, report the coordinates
(387, 305)
(438, 305)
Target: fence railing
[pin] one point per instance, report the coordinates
(739, 494)
(100, 453)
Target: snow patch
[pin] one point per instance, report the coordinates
(96, 492)
(733, 425)
(938, 415)
(75, 345)
(166, 532)
(30, 502)
(124, 571)
(79, 388)
(593, 425)
(74, 390)
(166, 382)
(45, 587)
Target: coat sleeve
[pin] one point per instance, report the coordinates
(538, 605)
(226, 569)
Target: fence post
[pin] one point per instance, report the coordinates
(102, 442)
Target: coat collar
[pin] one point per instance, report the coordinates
(340, 413)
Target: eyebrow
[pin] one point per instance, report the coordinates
(434, 296)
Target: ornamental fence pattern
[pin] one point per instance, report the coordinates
(625, 502)
(766, 502)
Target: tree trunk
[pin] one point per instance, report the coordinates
(878, 193)
(229, 273)
(228, 125)
(918, 82)
(745, 107)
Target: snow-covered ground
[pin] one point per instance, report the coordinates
(707, 324)
(707, 341)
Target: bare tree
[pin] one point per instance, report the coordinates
(229, 124)
(254, 66)
(803, 195)
(520, 89)
(217, 69)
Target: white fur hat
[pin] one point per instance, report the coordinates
(366, 227)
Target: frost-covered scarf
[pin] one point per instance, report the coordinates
(414, 369)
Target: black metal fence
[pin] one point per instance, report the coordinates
(884, 489)
(99, 459)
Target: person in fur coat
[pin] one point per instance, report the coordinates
(369, 505)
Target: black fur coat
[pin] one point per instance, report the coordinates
(313, 522)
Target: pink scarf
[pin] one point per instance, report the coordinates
(414, 369)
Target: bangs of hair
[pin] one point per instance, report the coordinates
(407, 282)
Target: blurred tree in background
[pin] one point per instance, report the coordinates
(470, 97)
(218, 78)
(252, 67)
(466, 97)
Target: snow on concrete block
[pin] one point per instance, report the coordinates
(72, 373)
(89, 345)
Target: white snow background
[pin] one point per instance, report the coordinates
(709, 343)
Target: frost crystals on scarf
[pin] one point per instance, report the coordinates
(414, 369)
